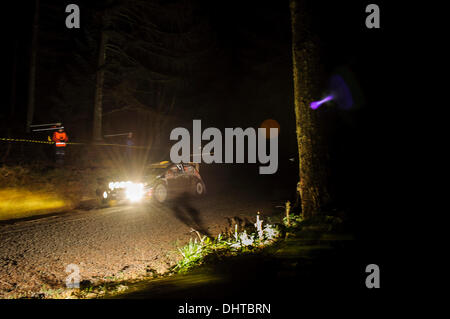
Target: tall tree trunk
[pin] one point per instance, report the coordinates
(307, 72)
(32, 74)
(12, 98)
(98, 105)
(13, 82)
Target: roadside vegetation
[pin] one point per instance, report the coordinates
(203, 248)
(38, 189)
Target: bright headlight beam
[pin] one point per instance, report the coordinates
(134, 191)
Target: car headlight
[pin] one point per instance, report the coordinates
(134, 192)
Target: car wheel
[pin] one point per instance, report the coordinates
(103, 202)
(160, 193)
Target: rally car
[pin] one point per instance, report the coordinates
(161, 182)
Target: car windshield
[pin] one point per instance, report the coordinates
(154, 172)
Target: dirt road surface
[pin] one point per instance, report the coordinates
(121, 242)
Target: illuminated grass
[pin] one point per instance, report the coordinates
(31, 190)
(195, 252)
(20, 203)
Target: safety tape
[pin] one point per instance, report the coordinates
(24, 140)
(68, 143)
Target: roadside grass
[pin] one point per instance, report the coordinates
(20, 203)
(202, 249)
(37, 189)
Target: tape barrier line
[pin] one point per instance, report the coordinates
(68, 143)
(24, 140)
(120, 145)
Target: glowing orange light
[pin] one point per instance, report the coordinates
(270, 123)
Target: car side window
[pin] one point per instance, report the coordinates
(172, 171)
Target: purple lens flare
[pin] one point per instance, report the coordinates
(340, 89)
(315, 105)
(343, 89)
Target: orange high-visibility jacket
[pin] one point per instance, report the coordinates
(60, 139)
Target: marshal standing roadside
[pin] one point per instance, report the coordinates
(60, 138)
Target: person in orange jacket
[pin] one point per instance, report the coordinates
(60, 138)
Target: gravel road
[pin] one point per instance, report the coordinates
(122, 241)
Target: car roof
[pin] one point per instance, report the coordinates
(165, 164)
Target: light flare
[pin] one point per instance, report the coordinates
(134, 191)
(315, 105)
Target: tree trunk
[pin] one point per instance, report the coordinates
(12, 99)
(306, 71)
(32, 74)
(98, 105)
(13, 83)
